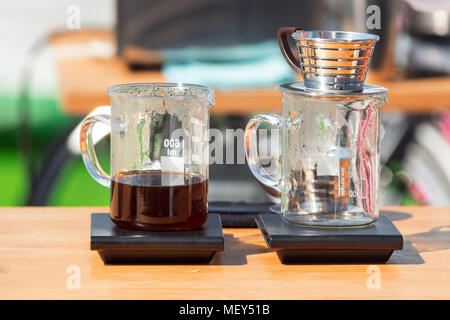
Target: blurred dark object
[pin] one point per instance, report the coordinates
(424, 48)
(145, 28)
(239, 214)
(428, 18)
(414, 157)
(426, 162)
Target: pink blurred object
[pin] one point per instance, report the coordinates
(444, 126)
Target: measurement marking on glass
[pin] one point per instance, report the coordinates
(363, 184)
(342, 182)
(195, 139)
(172, 143)
(171, 153)
(172, 147)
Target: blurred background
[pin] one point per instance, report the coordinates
(58, 57)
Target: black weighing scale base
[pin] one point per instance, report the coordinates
(374, 243)
(124, 246)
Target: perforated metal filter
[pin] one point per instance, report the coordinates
(334, 60)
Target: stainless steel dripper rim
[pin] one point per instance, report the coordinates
(334, 60)
(299, 88)
(334, 36)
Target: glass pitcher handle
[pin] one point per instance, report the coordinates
(251, 152)
(102, 115)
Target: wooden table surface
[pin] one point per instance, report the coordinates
(83, 80)
(38, 246)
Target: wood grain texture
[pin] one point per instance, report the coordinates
(83, 81)
(37, 245)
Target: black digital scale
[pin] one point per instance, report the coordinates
(124, 246)
(296, 244)
(374, 243)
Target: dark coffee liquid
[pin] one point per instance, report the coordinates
(150, 200)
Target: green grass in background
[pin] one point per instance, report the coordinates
(74, 186)
(13, 177)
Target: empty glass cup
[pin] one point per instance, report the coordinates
(328, 171)
(159, 154)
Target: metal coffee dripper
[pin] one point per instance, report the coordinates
(329, 163)
(329, 60)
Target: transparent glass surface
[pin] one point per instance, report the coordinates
(330, 161)
(159, 154)
(160, 127)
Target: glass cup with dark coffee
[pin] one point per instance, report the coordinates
(159, 154)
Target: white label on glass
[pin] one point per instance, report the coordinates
(172, 164)
(328, 166)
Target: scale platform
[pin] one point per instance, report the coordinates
(295, 244)
(124, 246)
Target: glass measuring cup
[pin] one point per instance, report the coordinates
(328, 171)
(159, 154)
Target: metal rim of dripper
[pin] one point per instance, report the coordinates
(299, 88)
(156, 94)
(334, 36)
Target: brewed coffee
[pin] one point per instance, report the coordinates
(155, 200)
